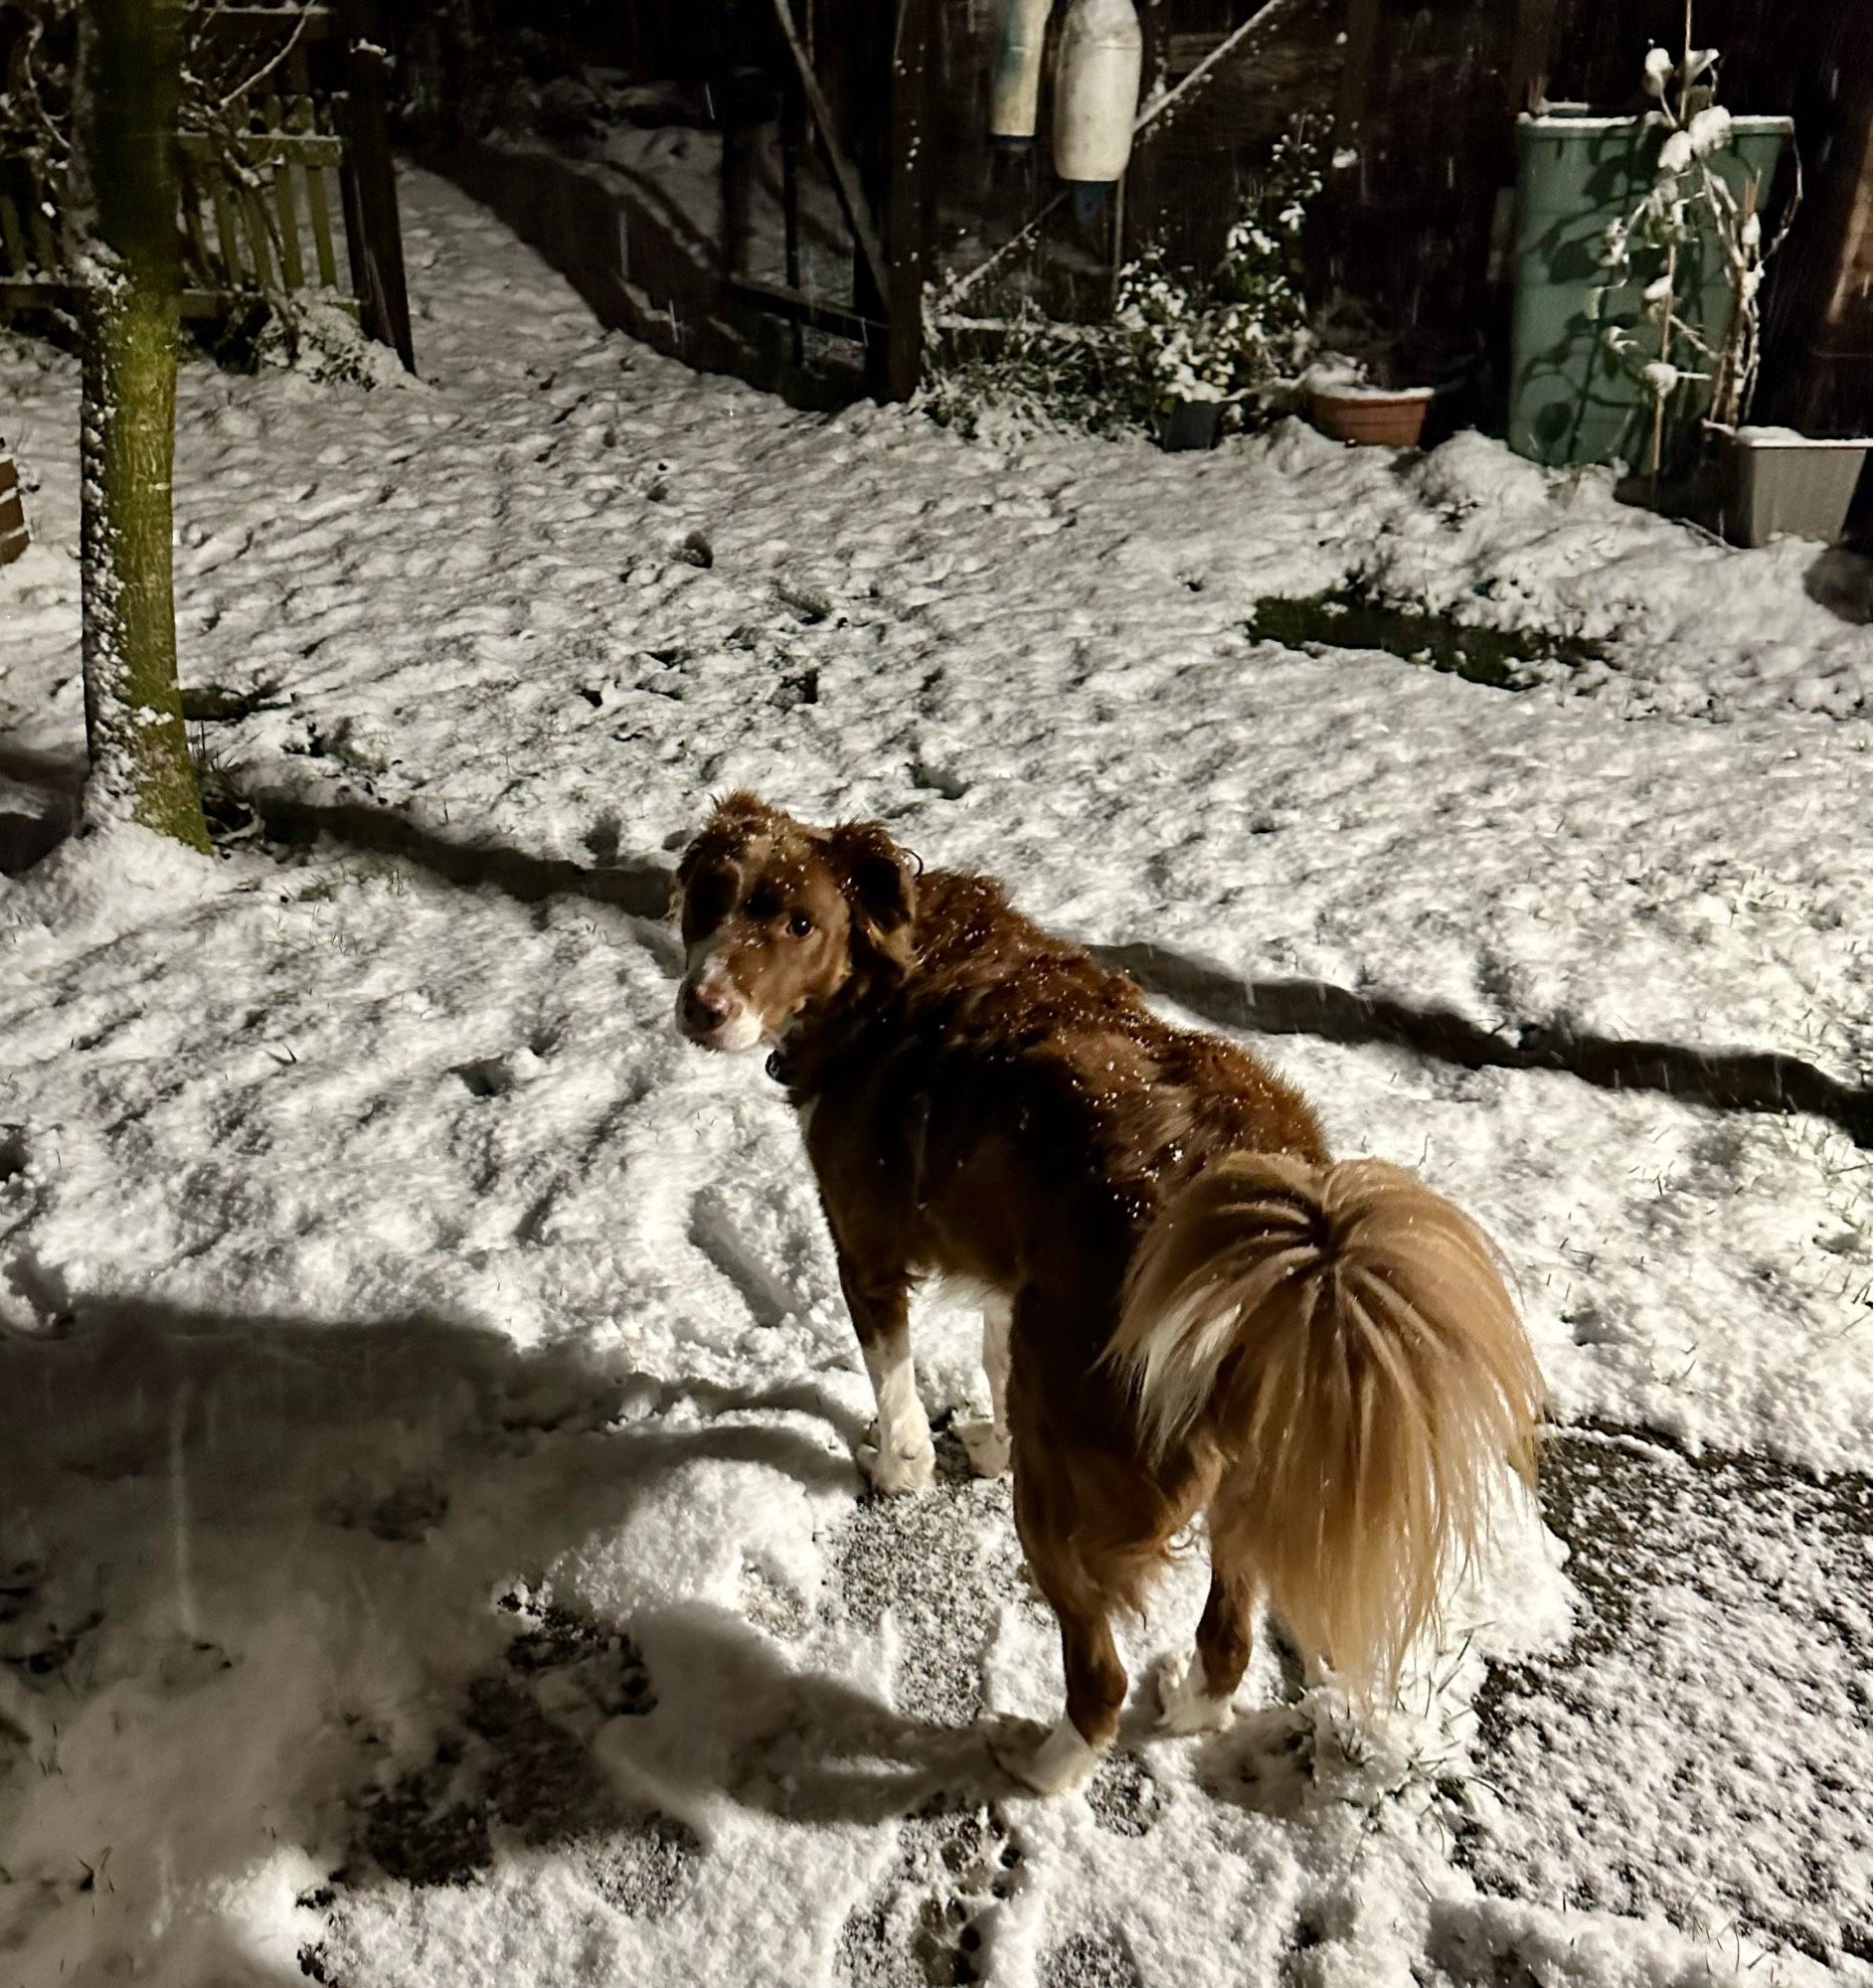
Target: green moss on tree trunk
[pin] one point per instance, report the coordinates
(125, 253)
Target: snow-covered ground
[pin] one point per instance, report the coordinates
(431, 1550)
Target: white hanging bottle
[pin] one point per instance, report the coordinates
(1015, 86)
(1095, 91)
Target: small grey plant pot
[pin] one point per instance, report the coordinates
(1190, 424)
(1778, 483)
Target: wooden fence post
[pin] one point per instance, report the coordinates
(14, 537)
(895, 364)
(373, 236)
(1531, 39)
(1356, 76)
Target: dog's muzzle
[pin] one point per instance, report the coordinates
(716, 1016)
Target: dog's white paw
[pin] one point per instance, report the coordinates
(1184, 1706)
(899, 1471)
(1050, 1761)
(988, 1444)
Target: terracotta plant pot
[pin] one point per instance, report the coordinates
(1395, 419)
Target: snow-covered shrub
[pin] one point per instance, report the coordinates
(1236, 333)
(1240, 334)
(324, 343)
(1026, 370)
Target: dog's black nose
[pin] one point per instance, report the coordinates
(699, 1012)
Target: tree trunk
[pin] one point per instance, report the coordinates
(121, 208)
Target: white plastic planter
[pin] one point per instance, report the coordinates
(1095, 91)
(1779, 483)
(1015, 88)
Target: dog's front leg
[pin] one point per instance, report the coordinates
(903, 1460)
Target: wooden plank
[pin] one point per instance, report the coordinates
(191, 190)
(267, 148)
(12, 239)
(46, 250)
(320, 205)
(780, 301)
(318, 201)
(193, 302)
(288, 206)
(285, 205)
(253, 213)
(33, 297)
(218, 303)
(227, 234)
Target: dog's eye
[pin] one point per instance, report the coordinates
(800, 925)
(763, 904)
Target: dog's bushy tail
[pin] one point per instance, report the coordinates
(1343, 1335)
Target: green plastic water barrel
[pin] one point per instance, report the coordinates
(1572, 398)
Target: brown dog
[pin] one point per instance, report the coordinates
(1191, 1307)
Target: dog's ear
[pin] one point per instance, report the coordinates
(878, 882)
(733, 820)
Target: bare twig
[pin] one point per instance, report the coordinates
(204, 17)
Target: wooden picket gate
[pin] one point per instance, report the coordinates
(314, 167)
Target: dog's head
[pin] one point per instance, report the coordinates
(779, 916)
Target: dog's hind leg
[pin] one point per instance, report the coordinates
(1085, 1554)
(1194, 1697)
(1096, 1689)
(904, 1458)
(988, 1442)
